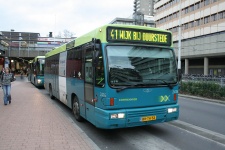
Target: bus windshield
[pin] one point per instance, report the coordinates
(40, 66)
(140, 65)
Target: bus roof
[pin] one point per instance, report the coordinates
(101, 33)
(35, 58)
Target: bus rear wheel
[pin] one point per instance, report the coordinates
(76, 109)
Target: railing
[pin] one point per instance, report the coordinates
(27, 51)
(204, 78)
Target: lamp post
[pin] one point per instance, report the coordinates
(20, 38)
(179, 40)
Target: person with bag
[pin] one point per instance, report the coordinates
(6, 79)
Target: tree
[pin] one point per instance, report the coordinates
(59, 35)
(66, 34)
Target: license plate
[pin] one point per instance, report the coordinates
(148, 118)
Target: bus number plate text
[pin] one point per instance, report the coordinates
(148, 118)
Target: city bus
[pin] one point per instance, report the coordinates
(116, 76)
(36, 71)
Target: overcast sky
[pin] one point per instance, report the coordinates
(44, 16)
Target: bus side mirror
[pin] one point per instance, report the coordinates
(97, 47)
(95, 54)
(95, 58)
(96, 44)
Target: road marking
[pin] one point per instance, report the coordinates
(142, 140)
(196, 98)
(210, 135)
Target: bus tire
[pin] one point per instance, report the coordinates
(76, 109)
(50, 92)
(35, 84)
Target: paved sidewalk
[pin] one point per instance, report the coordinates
(33, 122)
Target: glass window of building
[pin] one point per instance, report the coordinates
(197, 6)
(214, 17)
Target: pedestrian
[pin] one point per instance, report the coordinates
(6, 79)
(2, 71)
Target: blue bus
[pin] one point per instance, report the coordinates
(116, 76)
(36, 71)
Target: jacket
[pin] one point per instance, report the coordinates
(6, 79)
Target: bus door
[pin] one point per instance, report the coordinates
(89, 85)
(62, 77)
(54, 78)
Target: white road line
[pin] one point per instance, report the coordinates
(208, 134)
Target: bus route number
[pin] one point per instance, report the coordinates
(143, 36)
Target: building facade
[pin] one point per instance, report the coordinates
(146, 21)
(202, 24)
(3, 47)
(20, 47)
(142, 15)
(145, 7)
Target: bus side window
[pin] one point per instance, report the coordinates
(74, 63)
(88, 67)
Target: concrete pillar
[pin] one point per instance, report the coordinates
(186, 71)
(206, 65)
(6, 62)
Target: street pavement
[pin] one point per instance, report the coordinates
(203, 98)
(33, 122)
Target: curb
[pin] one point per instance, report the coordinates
(203, 98)
(81, 132)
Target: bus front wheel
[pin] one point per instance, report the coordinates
(76, 109)
(50, 92)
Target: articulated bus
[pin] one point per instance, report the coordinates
(36, 71)
(116, 76)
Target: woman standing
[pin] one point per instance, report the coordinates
(6, 80)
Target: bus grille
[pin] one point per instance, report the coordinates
(133, 114)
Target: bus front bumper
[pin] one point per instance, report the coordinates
(111, 119)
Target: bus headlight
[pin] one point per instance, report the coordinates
(171, 110)
(117, 116)
(39, 81)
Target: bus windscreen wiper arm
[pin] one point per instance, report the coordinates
(126, 87)
(169, 85)
(131, 86)
(123, 88)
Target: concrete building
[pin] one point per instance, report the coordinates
(202, 33)
(145, 7)
(20, 47)
(145, 21)
(3, 47)
(142, 15)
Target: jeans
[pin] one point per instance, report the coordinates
(6, 91)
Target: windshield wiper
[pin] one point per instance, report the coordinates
(143, 85)
(169, 85)
(132, 86)
(123, 88)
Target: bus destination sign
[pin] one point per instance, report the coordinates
(115, 34)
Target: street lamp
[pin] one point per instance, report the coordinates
(179, 40)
